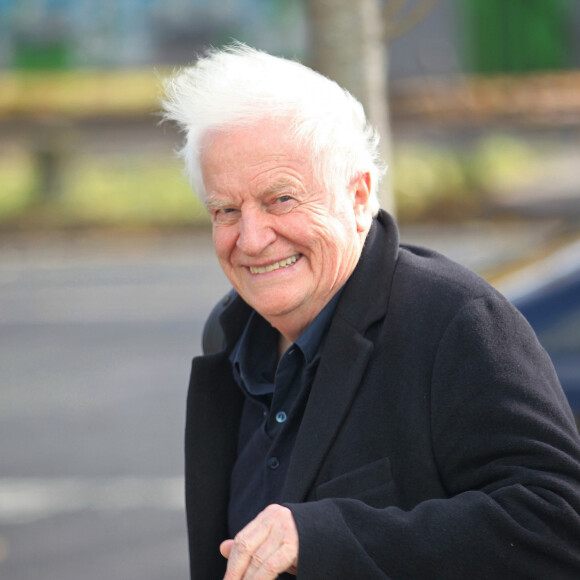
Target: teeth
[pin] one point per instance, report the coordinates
(275, 266)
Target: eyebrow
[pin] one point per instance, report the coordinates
(214, 203)
(278, 186)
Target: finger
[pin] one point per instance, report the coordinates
(274, 552)
(279, 563)
(226, 548)
(243, 547)
(261, 562)
(282, 558)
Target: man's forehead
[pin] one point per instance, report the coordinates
(227, 152)
(221, 196)
(274, 130)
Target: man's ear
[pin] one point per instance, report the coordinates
(361, 202)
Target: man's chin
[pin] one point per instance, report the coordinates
(272, 309)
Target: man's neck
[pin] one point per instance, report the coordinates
(283, 344)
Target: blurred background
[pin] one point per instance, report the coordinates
(106, 264)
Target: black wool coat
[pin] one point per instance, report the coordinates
(436, 441)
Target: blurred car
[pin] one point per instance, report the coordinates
(552, 307)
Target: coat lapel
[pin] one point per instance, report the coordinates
(335, 385)
(345, 356)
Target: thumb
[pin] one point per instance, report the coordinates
(226, 548)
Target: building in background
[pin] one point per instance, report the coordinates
(53, 34)
(490, 36)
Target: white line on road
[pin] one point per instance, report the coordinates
(31, 499)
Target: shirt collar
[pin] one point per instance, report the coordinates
(255, 355)
(310, 341)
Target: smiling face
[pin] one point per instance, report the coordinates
(284, 240)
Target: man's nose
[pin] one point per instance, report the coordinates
(256, 232)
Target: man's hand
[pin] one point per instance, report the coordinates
(265, 548)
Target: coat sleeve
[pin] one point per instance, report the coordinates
(508, 454)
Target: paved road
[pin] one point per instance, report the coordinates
(96, 337)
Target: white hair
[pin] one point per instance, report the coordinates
(239, 85)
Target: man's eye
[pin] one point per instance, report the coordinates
(282, 204)
(224, 214)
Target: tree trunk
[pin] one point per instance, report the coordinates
(347, 45)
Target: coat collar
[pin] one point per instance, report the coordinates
(365, 295)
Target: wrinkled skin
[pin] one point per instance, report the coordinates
(267, 207)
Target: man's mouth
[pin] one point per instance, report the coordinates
(275, 266)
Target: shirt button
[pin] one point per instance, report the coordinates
(273, 463)
(281, 417)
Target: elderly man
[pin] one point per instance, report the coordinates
(363, 409)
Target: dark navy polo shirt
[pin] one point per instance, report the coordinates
(276, 394)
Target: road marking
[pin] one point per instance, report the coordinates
(31, 499)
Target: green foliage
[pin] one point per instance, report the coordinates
(103, 191)
(500, 161)
(518, 35)
(129, 190)
(438, 183)
(17, 183)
